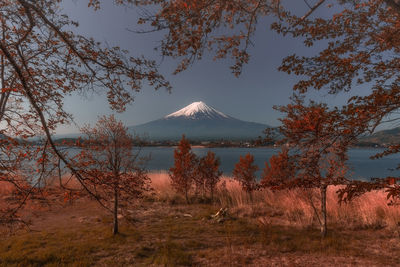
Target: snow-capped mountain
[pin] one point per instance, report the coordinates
(198, 110)
(200, 122)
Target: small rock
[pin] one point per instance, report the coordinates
(82, 219)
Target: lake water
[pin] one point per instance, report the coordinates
(362, 168)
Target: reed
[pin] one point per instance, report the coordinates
(294, 207)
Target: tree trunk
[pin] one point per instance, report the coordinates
(115, 226)
(186, 196)
(250, 194)
(323, 211)
(204, 190)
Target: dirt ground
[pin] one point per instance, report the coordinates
(158, 233)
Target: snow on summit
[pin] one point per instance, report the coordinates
(197, 110)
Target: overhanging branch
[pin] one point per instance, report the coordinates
(394, 4)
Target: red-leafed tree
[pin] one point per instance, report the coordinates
(360, 47)
(22, 173)
(245, 173)
(317, 139)
(208, 173)
(42, 60)
(109, 166)
(280, 167)
(183, 172)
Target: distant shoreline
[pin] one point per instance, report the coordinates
(214, 144)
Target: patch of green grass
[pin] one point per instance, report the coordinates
(78, 247)
(171, 253)
(45, 250)
(287, 239)
(145, 252)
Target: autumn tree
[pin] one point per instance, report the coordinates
(42, 60)
(280, 167)
(21, 172)
(316, 139)
(245, 173)
(110, 167)
(363, 49)
(183, 172)
(208, 173)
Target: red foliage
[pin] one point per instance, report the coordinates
(42, 60)
(184, 170)
(245, 173)
(357, 40)
(279, 169)
(208, 173)
(109, 167)
(317, 139)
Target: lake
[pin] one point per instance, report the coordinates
(362, 168)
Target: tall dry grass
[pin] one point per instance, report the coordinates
(161, 184)
(294, 207)
(6, 188)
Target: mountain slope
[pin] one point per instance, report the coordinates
(391, 136)
(199, 122)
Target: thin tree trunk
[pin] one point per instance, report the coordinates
(115, 227)
(250, 194)
(323, 211)
(203, 190)
(186, 196)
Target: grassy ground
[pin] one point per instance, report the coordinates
(164, 231)
(181, 235)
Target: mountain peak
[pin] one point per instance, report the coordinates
(198, 110)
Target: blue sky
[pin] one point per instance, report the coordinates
(249, 97)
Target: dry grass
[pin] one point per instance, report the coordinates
(161, 184)
(67, 181)
(6, 188)
(267, 229)
(293, 207)
(163, 235)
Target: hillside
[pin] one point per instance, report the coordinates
(391, 136)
